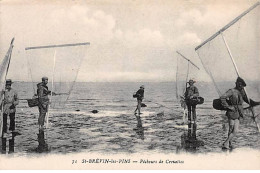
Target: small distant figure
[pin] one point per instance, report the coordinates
(140, 96)
(234, 107)
(10, 102)
(42, 93)
(190, 93)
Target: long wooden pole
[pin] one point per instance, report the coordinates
(188, 60)
(233, 61)
(52, 86)
(54, 46)
(176, 82)
(228, 25)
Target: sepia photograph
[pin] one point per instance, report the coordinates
(130, 84)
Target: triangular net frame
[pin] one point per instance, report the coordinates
(234, 51)
(61, 64)
(185, 70)
(243, 40)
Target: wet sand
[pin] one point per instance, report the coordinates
(116, 130)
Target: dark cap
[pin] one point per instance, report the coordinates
(44, 78)
(240, 80)
(8, 82)
(191, 81)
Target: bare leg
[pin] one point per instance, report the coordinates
(136, 106)
(139, 106)
(233, 129)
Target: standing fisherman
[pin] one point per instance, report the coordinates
(140, 97)
(235, 97)
(190, 93)
(10, 101)
(43, 92)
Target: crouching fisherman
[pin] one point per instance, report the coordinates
(42, 93)
(235, 97)
(10, 101)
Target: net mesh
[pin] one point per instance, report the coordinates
(61, 65)
(242, 39)
(184, 72)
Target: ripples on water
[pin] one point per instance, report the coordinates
(115, 129)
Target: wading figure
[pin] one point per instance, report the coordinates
(232, 101)
(140, 97)
(43, 92)
(191, 92)
(10, 101)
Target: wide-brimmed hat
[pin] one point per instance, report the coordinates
(8, 82)
(44, 78)
(191, 81)
(142, 86)
(240, 80)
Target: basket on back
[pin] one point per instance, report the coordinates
(33, 102)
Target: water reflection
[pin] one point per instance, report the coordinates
(189, 140)
(43, 146)
(139, 128)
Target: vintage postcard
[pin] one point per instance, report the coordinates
(130, 84)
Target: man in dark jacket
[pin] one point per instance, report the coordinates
(190, 93)
(140, 97)
(236, 97)
(43, 92)
(10, 101)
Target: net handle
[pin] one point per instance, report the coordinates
(233, 61)
(52, 85)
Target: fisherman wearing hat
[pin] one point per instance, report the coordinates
(10, 101)
(43, 92)
(140, 97)
(190, 93)
(236, 97)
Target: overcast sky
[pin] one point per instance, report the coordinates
(131, 40)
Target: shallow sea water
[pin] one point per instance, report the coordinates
(115, 129)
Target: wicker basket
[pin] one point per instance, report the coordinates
(33, 102)
(196, 101)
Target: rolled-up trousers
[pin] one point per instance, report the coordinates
(191, 110)
(42, 114)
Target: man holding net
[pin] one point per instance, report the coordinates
(232, 101)
(43, 92)
(191, 93)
